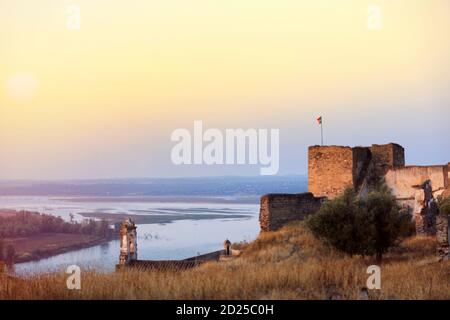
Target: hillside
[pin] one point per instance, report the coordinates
(287, 264)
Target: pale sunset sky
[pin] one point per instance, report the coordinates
(101, 101)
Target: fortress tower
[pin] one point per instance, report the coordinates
(332, 169)
(387, 156)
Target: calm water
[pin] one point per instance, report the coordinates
(176, 240)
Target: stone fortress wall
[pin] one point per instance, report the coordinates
(326, 164)
(405, 181)
(332, 169)
(386, 156)
(280, 209)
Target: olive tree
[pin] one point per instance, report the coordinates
(363, 226)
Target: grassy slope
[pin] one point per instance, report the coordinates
(288, 264)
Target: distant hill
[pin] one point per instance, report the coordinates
(209, 186)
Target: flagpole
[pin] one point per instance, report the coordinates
(321, 131)
(320, 121)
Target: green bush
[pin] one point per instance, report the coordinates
(366, 226)
(444, 206)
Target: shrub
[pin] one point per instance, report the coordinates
(366, 226)
(389, 223)
(343, 224)
(444, 206)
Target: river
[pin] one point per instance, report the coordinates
(176, 240)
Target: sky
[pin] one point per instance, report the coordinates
(100, 99)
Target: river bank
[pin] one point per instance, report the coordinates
(35, 248)
(34, 236)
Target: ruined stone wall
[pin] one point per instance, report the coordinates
(442, 231)
(403, 180)
(446, 192)
(330, 170)
(279, 209)
(386, 156)
(425, 209)
(361, 162)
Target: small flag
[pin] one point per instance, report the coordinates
(319, 120)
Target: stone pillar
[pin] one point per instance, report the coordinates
(132, 241)
(128, 242)
(442, 237)
(123, 257)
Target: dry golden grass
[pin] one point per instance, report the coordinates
(288, 264)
